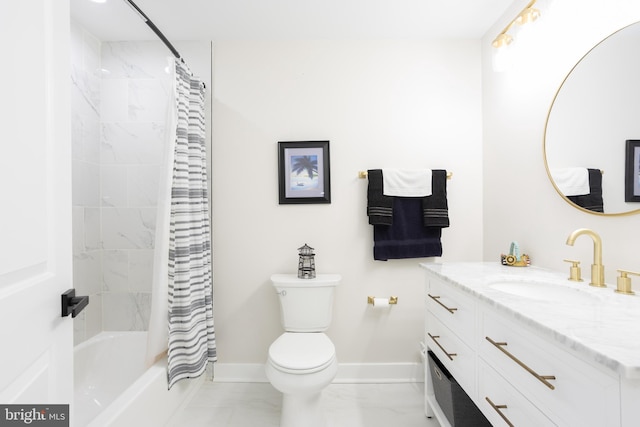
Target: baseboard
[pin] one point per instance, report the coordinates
(379, 373)
(348, 373)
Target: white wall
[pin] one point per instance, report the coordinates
(381, 104)
(520, 203)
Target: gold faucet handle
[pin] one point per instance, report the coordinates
(574, 270)
(624, 282)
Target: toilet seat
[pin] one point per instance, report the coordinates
(302, 353)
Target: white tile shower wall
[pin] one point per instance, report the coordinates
(133, 109)
(87, 248)
(119, 102)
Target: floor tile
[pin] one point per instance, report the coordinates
(346, 405)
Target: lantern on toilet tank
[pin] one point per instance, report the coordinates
(306, 263)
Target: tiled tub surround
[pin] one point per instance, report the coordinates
(596, 328)
(120, 93)
(85, 138)
(134, 97)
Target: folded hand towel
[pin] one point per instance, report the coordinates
(379, 206)
(571, 181)
(435, 209)
(592, 201)
(406, 183)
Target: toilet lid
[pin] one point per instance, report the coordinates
(302, 351)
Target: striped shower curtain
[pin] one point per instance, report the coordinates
(191, 331)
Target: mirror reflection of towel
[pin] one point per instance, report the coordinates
(592, 201)
(571, 181)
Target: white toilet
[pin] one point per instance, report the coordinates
(302, 361)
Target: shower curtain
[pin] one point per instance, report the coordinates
(183, 243)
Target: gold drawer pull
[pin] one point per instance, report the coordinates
(449, 355)
(436, 298)
(498, 409)
(541, 378)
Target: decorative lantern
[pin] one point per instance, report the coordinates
(306, 263)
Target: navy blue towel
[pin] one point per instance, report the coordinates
(407, 237)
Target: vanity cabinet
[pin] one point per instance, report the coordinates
(515, 375)
(449, 332)
(562, 387)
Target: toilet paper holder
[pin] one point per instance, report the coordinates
(392, 300)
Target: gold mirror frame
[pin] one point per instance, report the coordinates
(544, 139)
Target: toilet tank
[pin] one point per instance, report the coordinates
(305, 304)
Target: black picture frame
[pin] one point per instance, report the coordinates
(632, 171)
(304, 173)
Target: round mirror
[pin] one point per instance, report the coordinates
(593, 128)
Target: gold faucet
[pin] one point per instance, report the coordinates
(597, 269)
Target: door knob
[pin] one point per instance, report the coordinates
(71, 304)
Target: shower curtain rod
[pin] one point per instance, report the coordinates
(155, 29)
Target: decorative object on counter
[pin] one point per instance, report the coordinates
(574, 271)
(624, 282)
(514, 259)
(304, 172)
(306, 262)
(407, 227)
(382, 302)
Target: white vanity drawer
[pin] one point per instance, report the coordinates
(453, 308)
(456, 356)
(502, 404)
(580, 395)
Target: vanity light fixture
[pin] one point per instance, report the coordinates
(526, 15)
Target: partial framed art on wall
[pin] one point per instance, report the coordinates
(632, 171)
(304, 172)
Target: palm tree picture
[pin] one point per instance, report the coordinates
(303, 172)
(300, 165)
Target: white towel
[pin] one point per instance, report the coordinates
(406, 183)
(572, 181)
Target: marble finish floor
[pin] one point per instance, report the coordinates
(346, 405)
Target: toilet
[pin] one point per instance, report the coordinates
(302, 361)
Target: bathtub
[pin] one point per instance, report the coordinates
(113, 388)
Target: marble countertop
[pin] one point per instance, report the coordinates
(600, 324)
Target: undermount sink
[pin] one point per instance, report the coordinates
(542, 291)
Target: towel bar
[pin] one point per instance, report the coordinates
(363, 174)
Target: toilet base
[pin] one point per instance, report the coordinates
(302, 410)
(302, 391)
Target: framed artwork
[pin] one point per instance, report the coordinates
(303, 172)
(632, 171)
